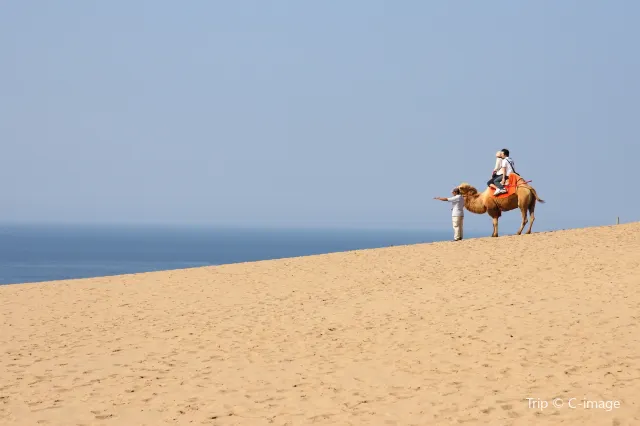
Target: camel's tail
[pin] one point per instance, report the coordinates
(535, 194)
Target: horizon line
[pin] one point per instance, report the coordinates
(178, 225)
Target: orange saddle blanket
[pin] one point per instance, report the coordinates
(510, 186)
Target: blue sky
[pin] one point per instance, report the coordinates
(336, 113)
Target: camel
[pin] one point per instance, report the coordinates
(524, 197)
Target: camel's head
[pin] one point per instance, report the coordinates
(466, 189)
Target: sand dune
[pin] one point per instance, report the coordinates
(443, 333)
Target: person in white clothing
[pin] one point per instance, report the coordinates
(498, 165)
(506, 168)
(457, 212)
(495, 170)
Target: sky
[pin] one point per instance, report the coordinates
(315, 114)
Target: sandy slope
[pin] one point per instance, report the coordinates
(444, 333)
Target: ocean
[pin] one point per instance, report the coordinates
(36, 253)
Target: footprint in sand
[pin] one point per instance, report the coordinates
(103, 416)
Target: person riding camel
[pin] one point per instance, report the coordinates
(506, 167)
(497, 166)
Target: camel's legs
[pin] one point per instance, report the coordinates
(532, 207)
(495, 226)
(523, 210)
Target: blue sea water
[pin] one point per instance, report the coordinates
(35, 253)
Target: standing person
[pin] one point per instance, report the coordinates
(506, 168)
(457, 212)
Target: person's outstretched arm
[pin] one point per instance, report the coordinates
(441, 198)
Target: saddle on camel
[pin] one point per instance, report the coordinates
(514, 181)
